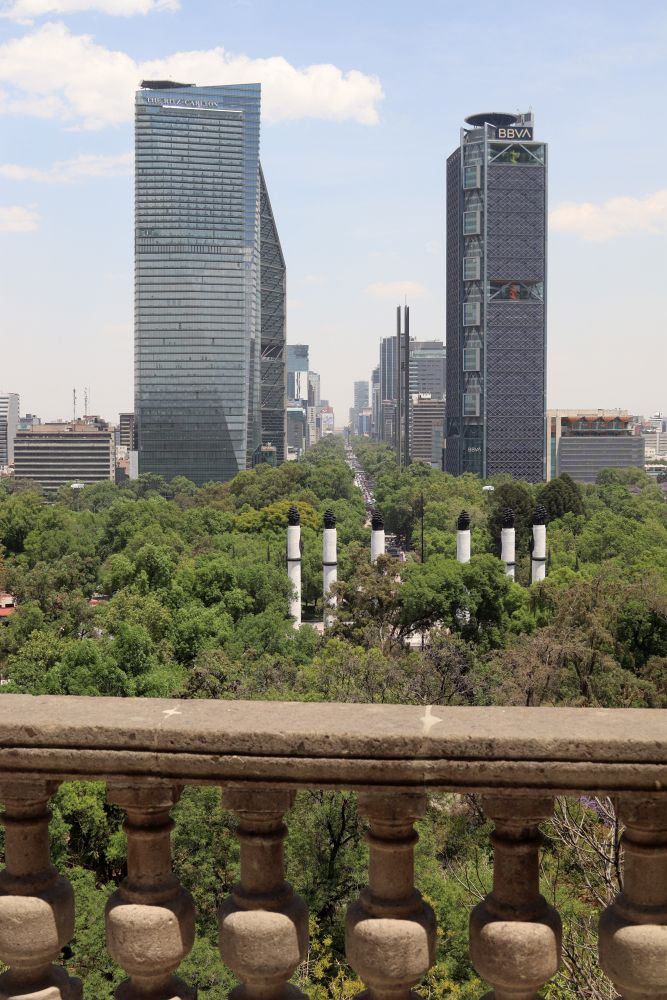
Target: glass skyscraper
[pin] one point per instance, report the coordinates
(496, 299)
(203, 229)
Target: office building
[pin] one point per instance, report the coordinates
(297, 432)
(326, 419)
(127, 431)
(375, 402)
(273, 382)
(9, 423)
(360, 396)
(55, 454)
(314, 390)
(496, 298)
(207, 258)
(364, 422)
(583, 442)
(427, 430)
(297, 372)
(427, 368)
(388, 382)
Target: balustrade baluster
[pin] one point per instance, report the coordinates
(150, 918)
(390, 934)
(263, 924)
(515, 936)
(633, 930)
(36, 903)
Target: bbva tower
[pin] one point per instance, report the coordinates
(210, 378)
(496, 298)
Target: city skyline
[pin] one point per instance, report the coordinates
(357, 231)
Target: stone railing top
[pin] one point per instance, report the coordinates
(334, 745)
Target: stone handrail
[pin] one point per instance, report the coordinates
(261, 753)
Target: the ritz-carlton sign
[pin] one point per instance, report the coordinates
(183, 102)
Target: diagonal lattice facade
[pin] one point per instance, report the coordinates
(273, 384)
(496, 300)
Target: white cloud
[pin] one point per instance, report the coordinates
(397, 290)
(25, 10)
(17, 219)
(611, 218)
(51, 73)
(64, 171)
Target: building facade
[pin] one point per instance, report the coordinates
(496, 299)
(583, 442)
(427, 430)
(297, 372)
(273, 277)
(427, 368)
(388, 384)
(127, 436)
(360, 396)
(201, 348)
(9, 423)
(375, 401)
(56, 454)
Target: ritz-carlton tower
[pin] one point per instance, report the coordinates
(496, 298)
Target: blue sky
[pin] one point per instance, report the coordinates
(362, 103)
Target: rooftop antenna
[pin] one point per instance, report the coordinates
(85, 401)
(74, 404)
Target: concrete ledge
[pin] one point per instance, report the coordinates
(335, 745)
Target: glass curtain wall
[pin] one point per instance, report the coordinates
(197, 279)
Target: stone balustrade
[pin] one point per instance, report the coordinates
(261, 753)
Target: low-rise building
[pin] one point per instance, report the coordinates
(583, 442)
(59, 453)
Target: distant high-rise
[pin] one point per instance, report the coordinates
(127, 431)
(375, 401)
(9, 422)
(313, 389)
(360, 395)
(427, 426)
(427, 368)
(297, 372)
(208, 361)
(496, 298)
(388, 382)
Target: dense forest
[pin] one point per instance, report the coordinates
(158, 589)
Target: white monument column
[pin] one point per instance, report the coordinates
(377, 536)
(463, 537)
(294, 562)
(329, 564)
(508, 542)
(539, 552)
